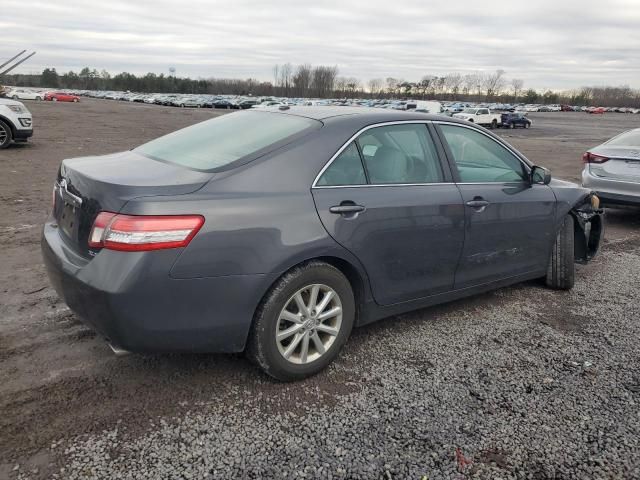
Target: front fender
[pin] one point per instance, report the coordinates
(584, 206)
(588, 229)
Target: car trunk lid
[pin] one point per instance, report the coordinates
(88, 185)
(623, 163)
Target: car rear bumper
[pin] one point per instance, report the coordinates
(129, 298)
(612, 192)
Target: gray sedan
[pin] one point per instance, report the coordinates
(275, 232)
(613, 169)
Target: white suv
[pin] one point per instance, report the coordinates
(15, 122)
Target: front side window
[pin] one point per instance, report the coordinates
(218, 142)
(480, 159)
(401, 153)
(346, 169)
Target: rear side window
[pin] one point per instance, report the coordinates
(346, 169)
(480, 159)
(401, 153)
(220, 141)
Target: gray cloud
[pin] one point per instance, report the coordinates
(548, 43)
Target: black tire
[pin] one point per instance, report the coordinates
(527, 125)
(38, 99)
(262, 347)
(561, 269)
(494, 124)
(6, 135)
(512, 125)
(54, 99)
(15, 97)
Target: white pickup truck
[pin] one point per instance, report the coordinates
(481, 116)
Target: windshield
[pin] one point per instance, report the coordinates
(217, 142)
(627, 139)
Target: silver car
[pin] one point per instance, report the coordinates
(612, 169)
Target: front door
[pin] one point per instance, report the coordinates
(510, 223)
(385, 199)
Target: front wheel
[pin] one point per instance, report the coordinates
(561, 268)
(38, 99)
(54, 99)
(5, 135)
(303, 322)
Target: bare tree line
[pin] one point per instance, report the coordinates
(322, 81)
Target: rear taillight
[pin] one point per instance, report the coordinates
(589, 157)
(134, 233)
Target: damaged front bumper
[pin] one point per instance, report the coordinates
(589, 228)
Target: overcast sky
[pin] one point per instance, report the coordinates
(554, 44)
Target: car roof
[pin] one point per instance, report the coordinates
(364, 115)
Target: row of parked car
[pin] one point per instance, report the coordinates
(244, 102)
(40, 95)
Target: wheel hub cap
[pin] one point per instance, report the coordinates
(309, 324)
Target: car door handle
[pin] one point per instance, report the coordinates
(346, 209)
(479, 204)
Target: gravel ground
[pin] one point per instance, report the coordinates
(516, 392)
(520, 383)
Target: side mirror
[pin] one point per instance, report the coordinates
(539, 175)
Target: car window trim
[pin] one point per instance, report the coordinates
(452, 161)
(353, 138)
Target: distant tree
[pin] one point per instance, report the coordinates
(494, 83)
(550, 97)
(530, 96)
(392, 84)
(302, 79)
(516, 86)
(49, 78)
(375, 86)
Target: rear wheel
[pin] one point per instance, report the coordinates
(75, 100)
(512, 125)
(561, 269)
(303, 322)
(54, 99)
(5, 135)
(38, 99)
(494, 124)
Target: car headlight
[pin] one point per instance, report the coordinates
(16, 108)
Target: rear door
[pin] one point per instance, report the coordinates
(510, 223)
(387, 197)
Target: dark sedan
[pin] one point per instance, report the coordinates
(274, 232)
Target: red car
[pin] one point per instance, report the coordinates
(61, 97)
(597, 110)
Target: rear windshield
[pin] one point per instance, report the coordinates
(627, 139)
(220, 141)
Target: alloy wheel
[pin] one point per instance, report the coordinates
(309, 324)
(4, 135)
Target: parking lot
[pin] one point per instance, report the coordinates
(523, 382)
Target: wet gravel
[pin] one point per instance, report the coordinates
(501, 389)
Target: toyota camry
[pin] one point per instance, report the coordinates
(275, 231)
